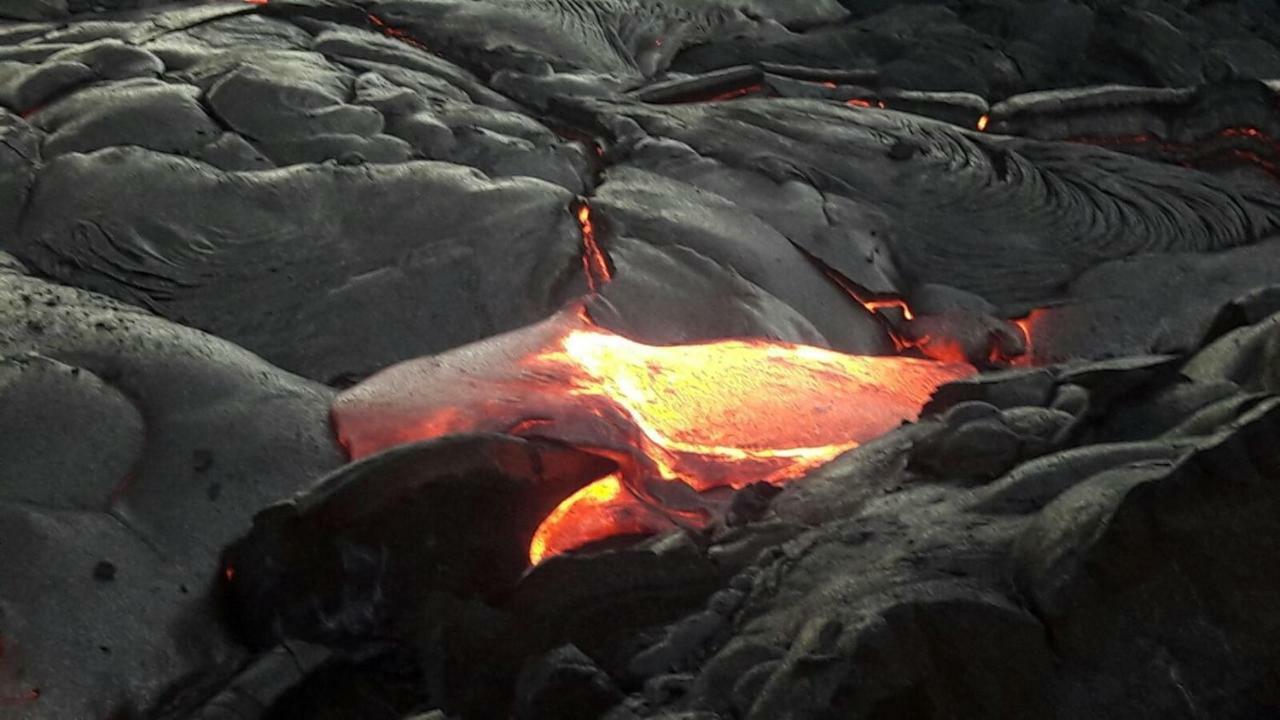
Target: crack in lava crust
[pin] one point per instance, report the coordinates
(702, 416)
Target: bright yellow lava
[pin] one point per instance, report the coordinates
(713, 414)
(550, 535)
(742, 411)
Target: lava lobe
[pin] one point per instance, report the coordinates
(674, 418)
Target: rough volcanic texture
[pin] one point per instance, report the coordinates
(323, 254)
(998, 49)
(214, 213)
(134, 450)
(1021, 555)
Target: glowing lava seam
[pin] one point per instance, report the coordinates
(594, 262)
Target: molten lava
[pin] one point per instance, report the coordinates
(594, 262)
(883, 304)
(702, 416)
(1027, 325)
(598, 511)
(864, 103)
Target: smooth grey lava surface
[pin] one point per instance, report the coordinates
(217, 216)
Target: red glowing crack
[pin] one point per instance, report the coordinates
(1186, 153)
(594, 261)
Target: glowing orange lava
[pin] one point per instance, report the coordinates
(982, 123)
(863, 103)
(594, 262)
(601, 510)
(875, 305)
(724, 413)
(715, 414)
(393, 32)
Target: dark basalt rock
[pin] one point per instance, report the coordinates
(19, 154)
(26, 87)
(654, 283)
(659, 211)
(371, 269)
(1111, 296)
(137, 443)
(264, 683)
(610, 615)
(1215, 515)
(565, 683)
(337, 186)
(635, 39)
(364, 547)
(929, 600)
(33, 9)
(146, 113)
(1015, 243)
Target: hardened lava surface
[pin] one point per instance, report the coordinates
(267, 451)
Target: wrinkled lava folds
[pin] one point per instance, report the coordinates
(693, 417)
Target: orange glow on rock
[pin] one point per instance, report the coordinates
(864, 103)
(1252, 132)
(599, 511)
(393, 32)
(737, 92)
(876, 305)
(1027, 325)
(982, 123)
(709, 415)
(942, 349)
(594, 262)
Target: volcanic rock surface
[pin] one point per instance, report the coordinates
(217, 216)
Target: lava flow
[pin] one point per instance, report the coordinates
(677, 419)
(595, 263)
(603, 509)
